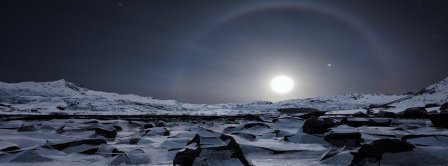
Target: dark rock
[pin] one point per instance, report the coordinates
(147, 126)
(439, 120)
(91, 122)
(5, 105)
(186, 157)
(60, 108)
(134, 141)
(431, 105)
(108, 132)
(7, 146)
(290, 111)
(374, 151)
(360, 114)
(281, 133)
(117, 128)
(25, 128)
(58, 114)
(315, 113)
(444, 106)
(211, 148)
(253, 125)
(392, 145)
(386, 114)
(252, 117)
(341, 139)
(60, 129)
(160, 124)
(414, 113)
(366, 155)
(314, 125)
(357, 122)
(135, 124)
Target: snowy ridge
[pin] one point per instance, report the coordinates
(64, 96)
(434, 94)
(340, 102)
(45, 97)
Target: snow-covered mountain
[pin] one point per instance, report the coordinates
(63, 96)
(433, 94)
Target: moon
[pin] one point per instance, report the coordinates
(282, 84)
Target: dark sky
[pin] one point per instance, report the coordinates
(226, 51)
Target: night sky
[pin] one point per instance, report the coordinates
(226, 51)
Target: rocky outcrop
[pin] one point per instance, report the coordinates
(107, 132)
(211, 148)
(413, 113)
(372, 153)
(357, 122)
(444, 107)
(315, 125)
(386, 114)
(439, 120)
(341, 139)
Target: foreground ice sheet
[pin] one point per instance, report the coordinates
(57, 142)
(93, 142)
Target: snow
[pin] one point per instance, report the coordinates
(46, 97)
(436, 93)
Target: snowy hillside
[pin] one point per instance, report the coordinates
(63, 96)
(433, 94)
(436, 93)
(340, 102)
(44, 97)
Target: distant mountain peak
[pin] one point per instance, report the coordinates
(70, 85)
(437, 87)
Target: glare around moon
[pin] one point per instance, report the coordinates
(282, 84)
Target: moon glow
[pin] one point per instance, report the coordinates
(282, 84)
